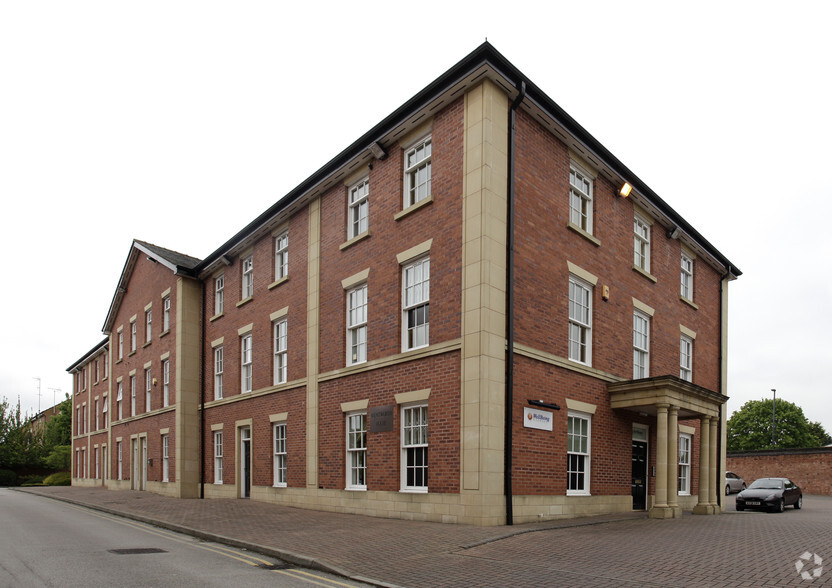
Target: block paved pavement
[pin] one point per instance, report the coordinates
(731, 549)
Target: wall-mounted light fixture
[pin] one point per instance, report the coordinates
(625, 190)
(542, 404)
(674, 233)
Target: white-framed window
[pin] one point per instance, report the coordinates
(641, 236)
(415, 448)
(281, 355)
(106, 365)
(578, 429)
(78, 429)
(641, 345)
(684, 463)
(219, 294)
(417, 172)
(687, 276)
(416, 304)
(359, 208)
(248, 277)
(119, 411)
(217, 457)
(120, 345)
(133, 330)
(104, 411)
(686, 358)
(165, 460)
(245, 363)
(97, 421)
(357, 451)
(97, 378)
(281, 256)
(580, 321)
(148, 323)
(132, 395)
(280, 455)
(580, 198)
(166, 314)
(166, 383)
(148, 388)
(357, 325)
(119, 469)
(97, 463)
(218, 372)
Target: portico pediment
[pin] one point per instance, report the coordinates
(644, 395)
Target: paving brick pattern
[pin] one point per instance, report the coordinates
(733, 549)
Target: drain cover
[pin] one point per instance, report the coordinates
(137, 550)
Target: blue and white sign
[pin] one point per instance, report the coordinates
(537, 419)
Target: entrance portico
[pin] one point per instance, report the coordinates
(670, 400)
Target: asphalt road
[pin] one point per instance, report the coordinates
(48, 543)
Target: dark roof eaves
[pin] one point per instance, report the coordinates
(89, 354)
(484, 54)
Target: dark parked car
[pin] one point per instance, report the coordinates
(772, 494)
(733, 483)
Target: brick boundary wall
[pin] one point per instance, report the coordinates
(811, 469)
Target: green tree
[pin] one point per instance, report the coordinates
(749, 428)
(59, 427)
(819, 432)
(20, 445)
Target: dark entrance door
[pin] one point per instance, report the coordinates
(245, 462)
(639, 475)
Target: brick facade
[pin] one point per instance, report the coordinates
(460, 374)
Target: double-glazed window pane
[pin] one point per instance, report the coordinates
(686, 358)
(577, 446)
(357, 325)
(280, 454)
(359, 208)
(687, 277)
(248, 277)
(218, 367)
(641, 231)
(281, 256)
(580, 200)
(641, 346)
(246, 363)
(219, 290)
(415, 444)
(418, 172)
(357, 450)
(416, 303)
(280, 352)
(580, 321)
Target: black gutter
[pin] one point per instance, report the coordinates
(202, 399)
(509, 409)
(721, 416)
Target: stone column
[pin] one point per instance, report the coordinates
(660, 509)
(673, 462)
(713, 476)
(704, 467)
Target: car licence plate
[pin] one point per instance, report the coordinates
(753, 502)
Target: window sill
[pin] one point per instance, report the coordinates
(215, 317)
(413, 490)
(245, 301)
(146, 344)
(131, 354)
(644, 273)
(577, 493)
(119, 360)
(163, 333)
(413, 208)
(276, 283)
(573, 227)
(689, 302)
(356, 489)
(350, 242)
(278, 485)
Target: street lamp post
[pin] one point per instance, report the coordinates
(773, 410)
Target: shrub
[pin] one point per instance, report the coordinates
(8, 478)
(58, 479)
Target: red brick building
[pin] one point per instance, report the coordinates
(475, 273)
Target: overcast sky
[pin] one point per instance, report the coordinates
(179, 122)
